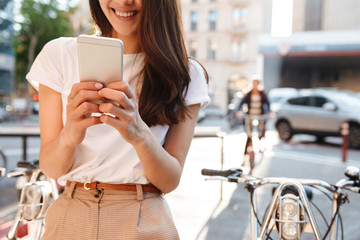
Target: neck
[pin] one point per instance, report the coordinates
(131, 43)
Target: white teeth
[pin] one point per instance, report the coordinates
(124, 14)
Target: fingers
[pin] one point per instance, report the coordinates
(85, 108)
(77, 87)
(119, 97)
(85, 96)
(118, 112)
(83, 92)
(123, 87)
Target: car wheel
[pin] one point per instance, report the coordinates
(354, 136)
(284, 130)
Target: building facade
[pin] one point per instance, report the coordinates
(223, 36)
(323, 50)
(81, 19)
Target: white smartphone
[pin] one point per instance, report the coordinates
(100, 58)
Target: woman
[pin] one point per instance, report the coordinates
(116, 168)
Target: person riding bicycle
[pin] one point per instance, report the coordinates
(257, 104)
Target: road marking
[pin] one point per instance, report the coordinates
(311, 158)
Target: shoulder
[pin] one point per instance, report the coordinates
(263, 94)
(197, 91)
(196, 70)
(60, 44)
(62, 41)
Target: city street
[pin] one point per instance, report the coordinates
(196, 206)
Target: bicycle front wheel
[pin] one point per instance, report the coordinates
(252, 160)
(3, 162)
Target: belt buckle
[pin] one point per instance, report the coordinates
(85, 187)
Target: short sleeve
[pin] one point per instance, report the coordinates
(198, 88)
(46, 69)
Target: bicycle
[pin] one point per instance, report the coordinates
(3, 162)
(35, 198)
(289, 212)
(255, 132)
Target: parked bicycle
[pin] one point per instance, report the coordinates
(36, 196)
(255, 132)
(290, 212)
(3, 162)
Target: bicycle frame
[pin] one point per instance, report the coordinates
(254, 126)
(3, 162)
(251, 124)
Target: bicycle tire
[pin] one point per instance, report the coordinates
(3, 164)
(252, 160)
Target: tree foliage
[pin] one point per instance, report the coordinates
(40, 21)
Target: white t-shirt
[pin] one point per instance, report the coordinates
(104, 155)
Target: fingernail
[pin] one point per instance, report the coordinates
(98, 85)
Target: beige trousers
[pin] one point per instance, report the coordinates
(109, 214)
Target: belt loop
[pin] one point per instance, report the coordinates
(140, 193)
(71, 189)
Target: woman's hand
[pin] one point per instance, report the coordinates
(124, 107)
(79, 109)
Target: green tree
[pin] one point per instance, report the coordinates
(40, 21)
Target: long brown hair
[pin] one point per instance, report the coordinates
(166, 69)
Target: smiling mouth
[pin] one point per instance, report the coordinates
(125, 14)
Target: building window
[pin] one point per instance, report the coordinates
(193, 46)
(212, 47)
(240, 17)
(238, 50)
(212, 20)
(194, 18)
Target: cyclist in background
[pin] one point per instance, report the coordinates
(257, 104)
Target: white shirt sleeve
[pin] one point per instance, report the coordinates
(46, 69)
(198, 87)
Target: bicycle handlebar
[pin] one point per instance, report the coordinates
(25, 168)
(222, 173)
(29, 165)
(236, 175)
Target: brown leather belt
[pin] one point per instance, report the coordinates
(124, 187)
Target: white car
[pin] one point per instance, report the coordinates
(321, 113)
(276, 95)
